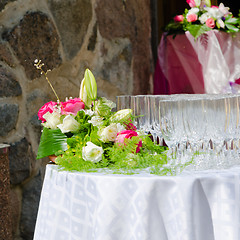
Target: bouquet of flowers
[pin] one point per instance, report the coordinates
(85, 134)
(203, 17)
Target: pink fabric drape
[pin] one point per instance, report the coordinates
(205, 65)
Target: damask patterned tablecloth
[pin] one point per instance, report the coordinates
(98, 206)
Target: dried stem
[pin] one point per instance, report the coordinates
(38, 64)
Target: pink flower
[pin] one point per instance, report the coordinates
(210, 23)
(128, 134)
(192, 17)
(47, 107)
(130, 126)
(237, 81)
(178, 18)
(72, 106)
(191, 3)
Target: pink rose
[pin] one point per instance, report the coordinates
(72, 106)
(128, 134)
(192, 17)
(178, 18)
(210, 23)
(47, 107)
(191, 3)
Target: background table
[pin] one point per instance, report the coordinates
(192, 206)
(205, 65)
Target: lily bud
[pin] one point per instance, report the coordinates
(121, 115)
(90, 85)
(83, 94)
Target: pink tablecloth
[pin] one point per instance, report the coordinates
(205, 65)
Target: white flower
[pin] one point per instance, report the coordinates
(109, 133)
(223, 9)
(92, 152)
(96, 121)
(52, 119)
(120, 127)
(214, 12)
(221, 23)
(109, 103)
(69, 124)
(193, 11)
(204, 17)
(88, 112)
(103, 106)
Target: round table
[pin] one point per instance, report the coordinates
(88, 206)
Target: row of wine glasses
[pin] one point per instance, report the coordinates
(189, 123)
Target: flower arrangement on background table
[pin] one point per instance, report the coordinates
(203, 17)
(85, 134)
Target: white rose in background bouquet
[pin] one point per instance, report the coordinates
(85, 134)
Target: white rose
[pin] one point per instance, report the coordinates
(69, 124)
(52, 119)
(96, 121)
(193, 11)
(92, 152)
(109, 133)
(204, 17)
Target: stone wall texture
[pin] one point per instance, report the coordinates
(110, 37)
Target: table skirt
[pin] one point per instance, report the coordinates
(192, 206)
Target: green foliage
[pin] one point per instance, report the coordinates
(231, 24)
(85, 126)
(121, 159)
(197, 29)
(52, 141)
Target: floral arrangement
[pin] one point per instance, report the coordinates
(203, 17)
(85, 134)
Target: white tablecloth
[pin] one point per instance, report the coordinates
(192, 206)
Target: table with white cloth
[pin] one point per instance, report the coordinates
(203, 205)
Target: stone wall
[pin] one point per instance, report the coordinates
(111, 38)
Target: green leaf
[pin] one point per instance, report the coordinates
(196, 29)
(232, 28)
(90, 84)
(232, 20)
(52, 140)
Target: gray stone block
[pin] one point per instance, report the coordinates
(35, 37)
(20, 155)
(8, 118)
(10, 87)
(30, 202)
